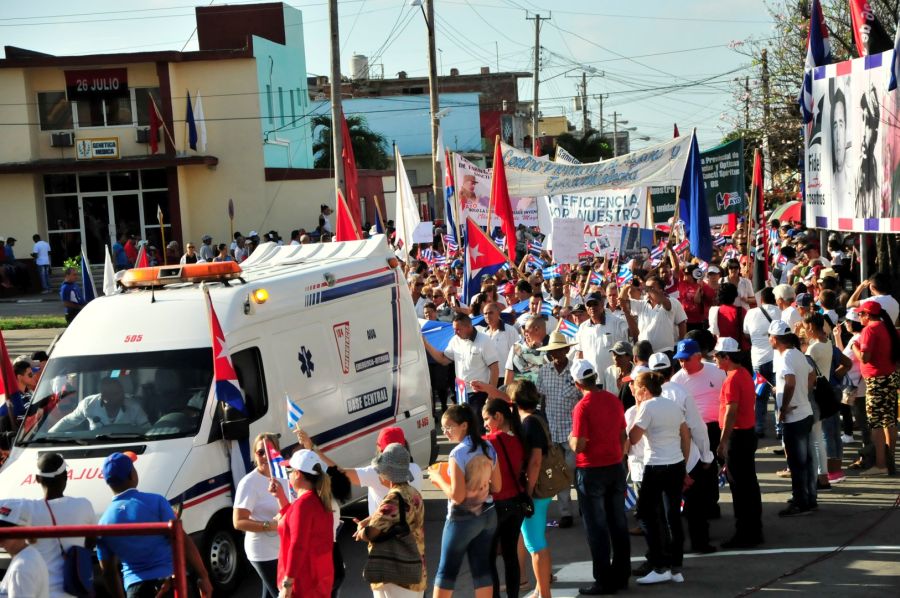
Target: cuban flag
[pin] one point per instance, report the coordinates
(760, 383)
(781, 261)
(546, 309)
(294, 413)
(551, 272)
(276, 462)
(535, 262)
(631, 498)
(535, 247)
(818, 53)
(450, 244)
(439, 260)
(624, 276)
(723, 477)
(462, 397)
(226, 386)
(657, 252)
(567, 329)
(596, 278)
(682, 246)
(449, 202)
(719, 240)
(426, 254)
(704, 266)
(482, 258)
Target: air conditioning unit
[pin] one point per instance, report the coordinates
(143, 135)
(66, 139)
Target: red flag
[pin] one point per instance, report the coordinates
(870, 36)
(225, 380)
(351, 179)
(142, 261)
(501, 204)
(730, 226)
(537, 147)
(756, 196)
(676, 133)
(154, 127)
(344, 229)
(8, 383)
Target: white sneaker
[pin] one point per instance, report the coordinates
(846, 438)
(655, 577)
(678, 577)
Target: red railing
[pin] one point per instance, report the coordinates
(173, 529)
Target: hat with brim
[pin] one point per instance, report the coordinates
(393, 464)
(872, 308)
(15, 513)
(635, 372)
(557, 341)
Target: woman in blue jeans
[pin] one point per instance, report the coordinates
(471, 518)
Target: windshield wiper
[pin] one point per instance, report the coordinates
(54, 440)
(119, 436)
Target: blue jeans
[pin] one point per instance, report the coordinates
(468, 536)
(44, 273)
(799, 449)
(831, 428)
(762, 402)
(601, 496)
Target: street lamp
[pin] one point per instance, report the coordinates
(428, 13)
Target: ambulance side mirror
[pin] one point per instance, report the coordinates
(235, 425)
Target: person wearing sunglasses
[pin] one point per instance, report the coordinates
(255, 511)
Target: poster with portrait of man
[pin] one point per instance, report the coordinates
(473, 190)
(853, 148)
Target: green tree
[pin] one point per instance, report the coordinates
(368, 146)
(591, 147)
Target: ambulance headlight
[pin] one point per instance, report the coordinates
(259, 296)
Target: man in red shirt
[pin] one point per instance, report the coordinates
(737, 446)
(598, 438)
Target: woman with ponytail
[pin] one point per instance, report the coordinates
(305, 564)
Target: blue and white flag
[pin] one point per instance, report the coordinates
(596, 278)
(534, 262)
(567, 329)
(546, 309)
(818, 53)
(624, 276)
(294, 413)
(631, 498)
(551, 272)
(535, 247)
(719, 240)
(276, 462)
(462, 397)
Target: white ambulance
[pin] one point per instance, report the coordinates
(330, 326)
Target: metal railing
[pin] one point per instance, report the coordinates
(173, 529)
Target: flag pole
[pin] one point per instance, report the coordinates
(231, 218)
(184, 146)
(162, 232)
(268, 459)
(162, 121)
(454, 198)
(379, 214)
(491, 200)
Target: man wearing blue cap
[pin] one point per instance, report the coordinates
(146, 560)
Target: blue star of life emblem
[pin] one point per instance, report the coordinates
(306, 364)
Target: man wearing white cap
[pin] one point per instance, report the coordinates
(793, 410)
(597, 438)
(27, 572)
(737, 446)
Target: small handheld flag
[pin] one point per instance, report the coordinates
(450, 244)
(682, 246)
(276, 462)
(723, 477)
(534, 262)
(624, 276)
(760, 383)
(658, 251)
(551, 272)
(596, 278)
(226, 385)
(719, 240)
(546, 309)
(631, 498)
(535, 247)
(462, 397)
(294, 413)
(567, 329)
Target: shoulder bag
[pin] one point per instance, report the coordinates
(78, 567)
(526, 504)
(554, 476)
(394, 557)
(823, 394)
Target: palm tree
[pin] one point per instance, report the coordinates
(368, 146)
(591, 147)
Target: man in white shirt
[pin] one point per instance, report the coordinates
(597, 336)
(784, 299)
(651, 319)
(415, 289)
(474, 359)
(109, 407)
(792, 380)
(41, 254)
(756, 327)
(879, 287)
(503, 335)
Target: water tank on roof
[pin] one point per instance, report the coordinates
(359, 66)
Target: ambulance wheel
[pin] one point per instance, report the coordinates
(222, 554)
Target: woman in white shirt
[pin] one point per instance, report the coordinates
(662, 423)
(254, 514)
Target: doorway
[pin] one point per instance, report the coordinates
(105, 218)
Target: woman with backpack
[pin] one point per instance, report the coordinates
(505, 435)
(472, 475)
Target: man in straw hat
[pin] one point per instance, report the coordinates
(554, 381)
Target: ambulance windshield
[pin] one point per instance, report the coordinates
(121, 397)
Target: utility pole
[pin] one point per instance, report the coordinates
(535, 112)
(600, 97)
(433, 98)
(337, 115)
(767, 158)
(746, 103)
(584, 105)
(615, 134)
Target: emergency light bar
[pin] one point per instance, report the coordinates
(157, 276)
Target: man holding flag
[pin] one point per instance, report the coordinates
(597, 336)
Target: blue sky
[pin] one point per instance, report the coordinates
(640, 49)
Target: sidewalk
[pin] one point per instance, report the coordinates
(26, 342)
(34, 304)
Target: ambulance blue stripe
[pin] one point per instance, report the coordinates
(356, 287)
(391, 408)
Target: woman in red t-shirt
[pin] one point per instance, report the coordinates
(505, 434)
(690, 296)
(878, 367)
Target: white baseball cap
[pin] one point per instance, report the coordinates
(635, 371)
(306, 460)
(659, 361)
(15, 512)
(726, 344)
(779, 328)
(581, 369)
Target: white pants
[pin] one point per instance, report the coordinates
(390, 590)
